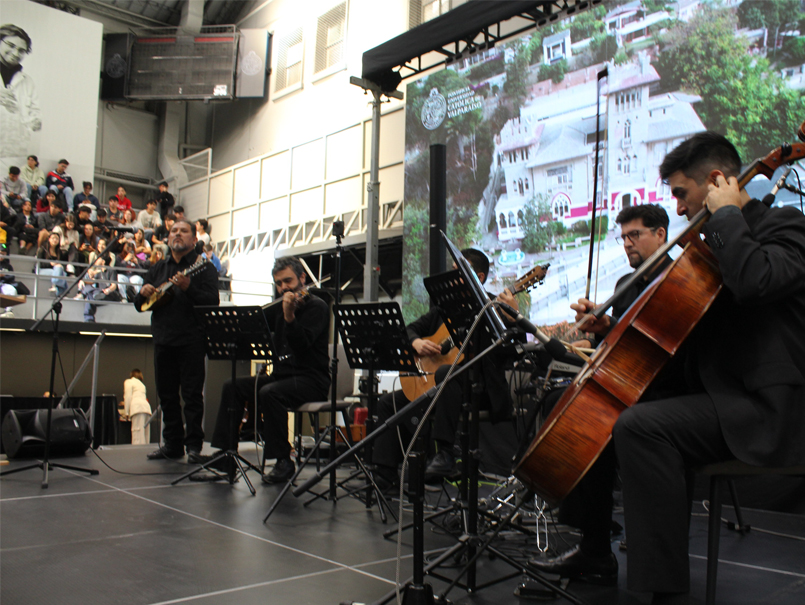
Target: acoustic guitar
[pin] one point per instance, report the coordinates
(415, 385)
(164, 293)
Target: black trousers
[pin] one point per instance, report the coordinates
(275, 397)
(389, 448)
(658, 443)
(181, 369)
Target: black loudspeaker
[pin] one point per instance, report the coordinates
(115, 72)
(24, 433)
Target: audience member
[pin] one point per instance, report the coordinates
(8, 222)
(27, 227)
(15, 191)
(115, 214)
(51, 255)
(69, 238)
(88, 243)
(44, 202)
(157, 254)
(87, 198)
(202, 231)
(103, 228)
(129, 279)
(100, 283)
(47, 221)
(130, 220)
(149, 219)
(165, 200)
(8, 282)
(84, 217)
(62, 183)
(123, 202)
(141, 246)
(209, 254)
(161, 233)
(34, 178)
(178, 212)
(136, 407)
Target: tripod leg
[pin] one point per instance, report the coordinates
(236, 459)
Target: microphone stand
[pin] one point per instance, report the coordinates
(55, 310)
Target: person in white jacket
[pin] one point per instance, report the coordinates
(136, 407)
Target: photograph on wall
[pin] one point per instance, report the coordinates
(519, 124)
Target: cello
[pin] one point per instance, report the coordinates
(580, 426)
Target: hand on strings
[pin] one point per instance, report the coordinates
(426, 348)
(181, 280)
(724, 192)
(147, 290)
(592, 324)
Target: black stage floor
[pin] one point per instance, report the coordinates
(129, 539)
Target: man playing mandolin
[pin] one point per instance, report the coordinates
(387, 453)
(741, 386)
(179, 342)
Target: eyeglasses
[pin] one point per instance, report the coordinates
(632, 236)
(20, 49)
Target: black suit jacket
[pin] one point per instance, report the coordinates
(750, 346)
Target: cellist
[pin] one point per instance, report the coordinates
(743, 393)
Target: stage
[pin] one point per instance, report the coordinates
(135, 539)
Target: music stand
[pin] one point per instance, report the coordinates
(234, 333)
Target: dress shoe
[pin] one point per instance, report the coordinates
(166, 453)
(283, 470)
(443, 465)
(194, 456)
(575, 564)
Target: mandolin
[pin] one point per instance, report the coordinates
(164, 293)
(415, 385)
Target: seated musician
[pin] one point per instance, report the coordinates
(387, 451)
(300, 374)
(741, 392)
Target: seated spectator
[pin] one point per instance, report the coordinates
(161, 233)
(136, 407)
(157, 254)
(123, 202)
(27, 227)
(69, 238)
(115, 214)
(129, 279)
(44, 202)
(129, 220)
(103, 228)
(209, 254)
(165, 200)
(51, 256)
(34, 179)
(8, 282)
(178, 212)
(84, 217)
(202, 231)
(47, 221)
(15, 192)
(88, 199)
(8, 222)
(149, 219)
(99, 283)
(62, 183)
(88, 243)
(141, 246)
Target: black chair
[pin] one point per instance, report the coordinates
(721, 473)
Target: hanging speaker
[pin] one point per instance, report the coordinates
(24, 433)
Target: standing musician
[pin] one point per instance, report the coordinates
(644, 229)
(300, 371)
(742, 388)
(179, 342)
(387, 452)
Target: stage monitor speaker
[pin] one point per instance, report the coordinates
(24, 433)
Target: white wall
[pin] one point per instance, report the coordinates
(64, 64)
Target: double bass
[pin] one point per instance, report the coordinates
(633, 353)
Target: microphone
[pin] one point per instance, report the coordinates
(554, 348)
(793, 189)
(768, 199)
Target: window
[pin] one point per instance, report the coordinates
(627, 130)
(289, 61)
(330, 35)
(502, 221)
(559, 176)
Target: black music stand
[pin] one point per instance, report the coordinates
(234, 333)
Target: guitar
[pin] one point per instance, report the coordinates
(164, 293)
(414, 385)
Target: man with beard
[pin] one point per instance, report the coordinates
(300, 327)
(179, 342)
